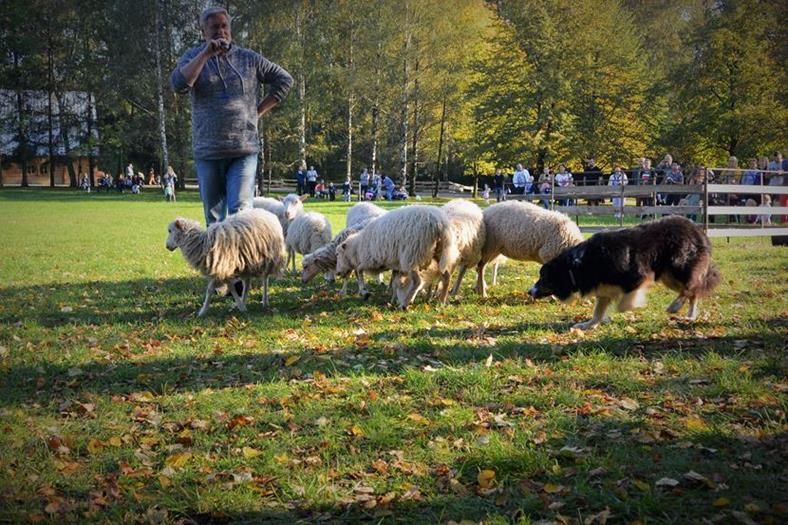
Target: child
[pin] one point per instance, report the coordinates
(486, 193)
(765, 219)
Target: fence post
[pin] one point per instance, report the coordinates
(706, 202)
(621, 209)
(552, 192)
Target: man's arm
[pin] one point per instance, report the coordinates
(266, 105)
(186, 73)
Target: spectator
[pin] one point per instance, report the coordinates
(592, 176)
(320, 189)
(85, 183)
(332, 191)
(564, 179)
(765, 218)
(151, 177)
(347, 188)
(676, 177)
(546, 186)
(522, 180)
(374, 186)
(300, 177)
(363, 182)
(388, 185)
(401, 194)
(776, 166)
(693, 199)
(499, 185)
(644, 177)
(618, 178)
(129, 171)
(311, 180)
(486, 193)
(751, 177)
(168, 183)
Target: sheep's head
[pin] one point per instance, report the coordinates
(345, 263)
(175, 231)
(293, 206)
(310, 267)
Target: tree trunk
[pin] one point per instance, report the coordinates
(415, 142)
(65, 124)
(91, 160)
(376, 110)
(50, 119)
(165, 152)
(350, 103)
(403, 128)
(301, 88)
(21, 129)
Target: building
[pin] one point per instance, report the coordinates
(70, 131)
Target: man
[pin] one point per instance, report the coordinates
(388, 185)
(522, 180)
(363, 182)
(311, 180)
(592, 176)
(499, 183)
(300, 177)
(224, 82)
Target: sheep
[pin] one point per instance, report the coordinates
(523, 231)
(274, 206)
(362, 211)
(404, 240)
(245, 245)
(307, 232)
(293, 206)
(324, 259)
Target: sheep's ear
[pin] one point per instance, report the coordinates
(343, 245)
(179, 223)
(303, 197)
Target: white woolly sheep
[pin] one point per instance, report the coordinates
(363, 211)
(307, 232)
(324, 259)
(269, 204)
(293, 206)
(405, 240)
(245, 245)
(525, 232)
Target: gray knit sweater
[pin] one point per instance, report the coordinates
(225, 97)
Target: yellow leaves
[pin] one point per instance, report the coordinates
(695, 424)
(179, 460)
(67, 467)
(282, 458)
(553, 488)
(418, 418)
(291, 360)
(458, 488)
(250, 453)
(355, 431)
(486, 478)
(95, 446)
(164, 481)
(721, 502)
(114, 441)
(641, 485)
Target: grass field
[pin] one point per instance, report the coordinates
(117, 405)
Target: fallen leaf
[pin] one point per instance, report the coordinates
(418, 418)
(488, 363)
(666, 482)
(721, 502)
(178, 460)
(250, 452)
(486, 478)
(291, 360)
(628, 404)
(552, 488)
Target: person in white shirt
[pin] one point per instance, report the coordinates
(522, 180)
(564, 179)
(618, 178)
(311, 180)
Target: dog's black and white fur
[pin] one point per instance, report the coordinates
(619, 266)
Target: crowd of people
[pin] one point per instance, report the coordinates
(134, 182)
(370, 186)
(761, 171)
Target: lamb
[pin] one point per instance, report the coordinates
(405, 240)
(269, 204)
(523, 231)
(362, 211)
(307, 232)
(324, 259)
(245, 245)
(293, 206)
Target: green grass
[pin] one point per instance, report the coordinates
(117, 405)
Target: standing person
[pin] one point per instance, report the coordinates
(546, 186)
(363, 182)
(522, 180)
(618, 178)
(151, 177)
(168, 184)
(375, 186)
(85, 183)
(499, 184)
(311, 180)
(224, 81)
(592, 176)
(347, 188)
(300, 177)
(674, 176)
(332, 191)
(130, 171)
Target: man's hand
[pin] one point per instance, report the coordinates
(220, 46)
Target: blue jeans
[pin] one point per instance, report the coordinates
(226, 185)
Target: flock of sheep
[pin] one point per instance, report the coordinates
(421, 245)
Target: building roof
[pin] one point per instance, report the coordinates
(72, 114)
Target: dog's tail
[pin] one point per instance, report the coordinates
(710, 280)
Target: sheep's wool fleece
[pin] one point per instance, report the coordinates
(268, 204)
(523, 231)
(363, 211)
(467, 223)
(308, 232)
(404, 239)
(249, 243)
(325, 257)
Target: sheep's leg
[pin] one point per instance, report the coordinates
(292, 257)
(238, 301)
(600, 314)
(460, 275)
(247, 287)
(445, 281)
(495, 274)
(415, 285)
(208, 293)
(362, 290)
(676, 305)
(393, 285)
(692, 313)
(343, 291)
(265, 292)
(481, 286)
